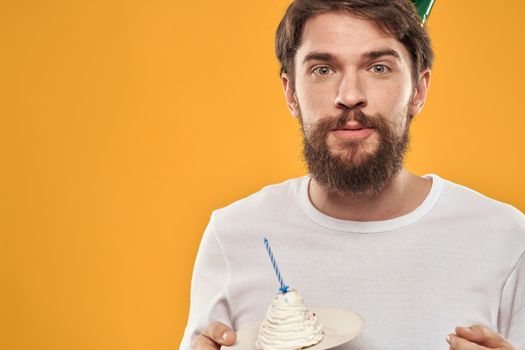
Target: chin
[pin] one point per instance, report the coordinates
(356, 153)
(352, 158)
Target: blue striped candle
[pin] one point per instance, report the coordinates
(284, 287)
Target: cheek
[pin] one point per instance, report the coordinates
(315, 101)
(391, 99)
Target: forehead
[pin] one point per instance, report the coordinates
(346, 35)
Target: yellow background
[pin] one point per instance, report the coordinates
(125, 123)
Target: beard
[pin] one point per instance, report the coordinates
(351, 171)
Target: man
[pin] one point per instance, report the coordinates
(414, 256)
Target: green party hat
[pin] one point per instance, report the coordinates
(423, 8)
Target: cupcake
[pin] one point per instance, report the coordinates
(289, 324)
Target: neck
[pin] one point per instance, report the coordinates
(404, 193)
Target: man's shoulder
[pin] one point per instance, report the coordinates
(462, 199)
(271, 197)
(464, 194)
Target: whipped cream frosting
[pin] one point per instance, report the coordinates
(289, 324)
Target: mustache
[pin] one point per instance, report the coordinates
(327, 124)
(358, 116)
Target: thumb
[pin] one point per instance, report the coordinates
(220, 333)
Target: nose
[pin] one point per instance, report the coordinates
(350, 94)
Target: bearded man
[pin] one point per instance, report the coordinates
(416, 257)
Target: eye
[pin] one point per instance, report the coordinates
(322, 70)
(380, 69)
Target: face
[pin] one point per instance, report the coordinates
(353, 94)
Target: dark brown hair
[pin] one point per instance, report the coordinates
(397, 17)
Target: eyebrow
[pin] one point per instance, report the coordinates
(325, 56)
(319, 56)
(381, 53)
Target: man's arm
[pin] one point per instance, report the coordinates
(511, 320)
(208, 302)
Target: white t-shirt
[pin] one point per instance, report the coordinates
(456, 260)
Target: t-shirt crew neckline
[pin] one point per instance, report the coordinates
(371, 226)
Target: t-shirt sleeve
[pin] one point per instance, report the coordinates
(512, 307)
(208, 302)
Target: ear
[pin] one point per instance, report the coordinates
(420, 93)
(289, 94)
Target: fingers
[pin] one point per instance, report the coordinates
(202, 342)
(458, 343)
(220, 333)
(215, 335)
(477, 337)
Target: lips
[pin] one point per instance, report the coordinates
(353, 131)
(352, 126)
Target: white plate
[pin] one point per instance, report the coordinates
(339, 326)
